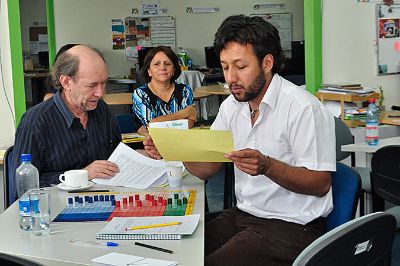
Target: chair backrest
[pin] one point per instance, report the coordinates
(364, 241)
(8, 179)
(7, 259)
(346, 190)
(343, 137)
(127, 123)
(385, 173)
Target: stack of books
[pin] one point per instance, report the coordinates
(355, 114)
(345, 88)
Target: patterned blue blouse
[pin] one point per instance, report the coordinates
(147, 105)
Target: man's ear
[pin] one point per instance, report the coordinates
(65, 82)
(268, 63)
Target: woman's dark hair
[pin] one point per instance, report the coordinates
(262, 35)
(150, 55)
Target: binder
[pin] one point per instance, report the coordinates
(116, 229)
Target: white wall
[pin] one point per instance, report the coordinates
(349, 51)
(31, 11)
(89, 22)
(6, 89)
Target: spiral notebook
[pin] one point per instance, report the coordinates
(116, 228)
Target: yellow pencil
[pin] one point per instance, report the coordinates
(152, 226)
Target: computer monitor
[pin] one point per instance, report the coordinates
(44, 59)
(212, 59)
(142, 54)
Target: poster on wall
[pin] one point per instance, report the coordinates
(388, 24)
(283, 23)
(118, 36)
(163, 31)
(137, 34)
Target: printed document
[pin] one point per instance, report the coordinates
(192, 145)
(135, 169)
(119, 259)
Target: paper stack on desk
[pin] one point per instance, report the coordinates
(135, 170)
(119, 259)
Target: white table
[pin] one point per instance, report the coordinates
(56, 249)
(369, 150)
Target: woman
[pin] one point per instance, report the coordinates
(162, 99)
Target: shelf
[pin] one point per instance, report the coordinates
(342, 98)
(346, 97)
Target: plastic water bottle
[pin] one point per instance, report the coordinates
(26, 178)
(372, 122)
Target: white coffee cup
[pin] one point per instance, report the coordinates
(74, 178)
(174, 173)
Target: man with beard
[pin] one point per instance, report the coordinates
(285, 153)
(74, 129)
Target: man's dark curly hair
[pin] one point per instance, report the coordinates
(263, 36)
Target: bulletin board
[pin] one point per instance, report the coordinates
(388, 22)
(148, 32)
(283, 23)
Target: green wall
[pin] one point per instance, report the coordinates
(16, 59)
(313, 44)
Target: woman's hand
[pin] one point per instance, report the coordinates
(191, 112)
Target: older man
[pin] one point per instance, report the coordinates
(74, 129)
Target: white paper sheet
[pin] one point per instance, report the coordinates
(119, 259)
(135, 169)
(177, 124)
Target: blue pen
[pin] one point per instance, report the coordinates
(93, 243)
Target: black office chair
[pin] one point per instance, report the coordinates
(8, 179)
(7, 259)
(364, 241)
(385, 179)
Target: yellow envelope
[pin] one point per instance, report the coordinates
(192, 145)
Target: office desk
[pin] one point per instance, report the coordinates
(369, 150)
(130, 82)
(126, 98)
(391, 118)
(215, 90)
(118, 98)
(56, 249)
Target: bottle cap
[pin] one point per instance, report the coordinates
(26, 157)
(371, 100)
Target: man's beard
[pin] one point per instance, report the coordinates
(254, 89)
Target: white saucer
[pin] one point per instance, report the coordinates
(62, 186)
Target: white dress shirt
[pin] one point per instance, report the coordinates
(292, 127)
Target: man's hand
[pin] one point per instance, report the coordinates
(101, 169)
(151, 148)
(249, 161)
